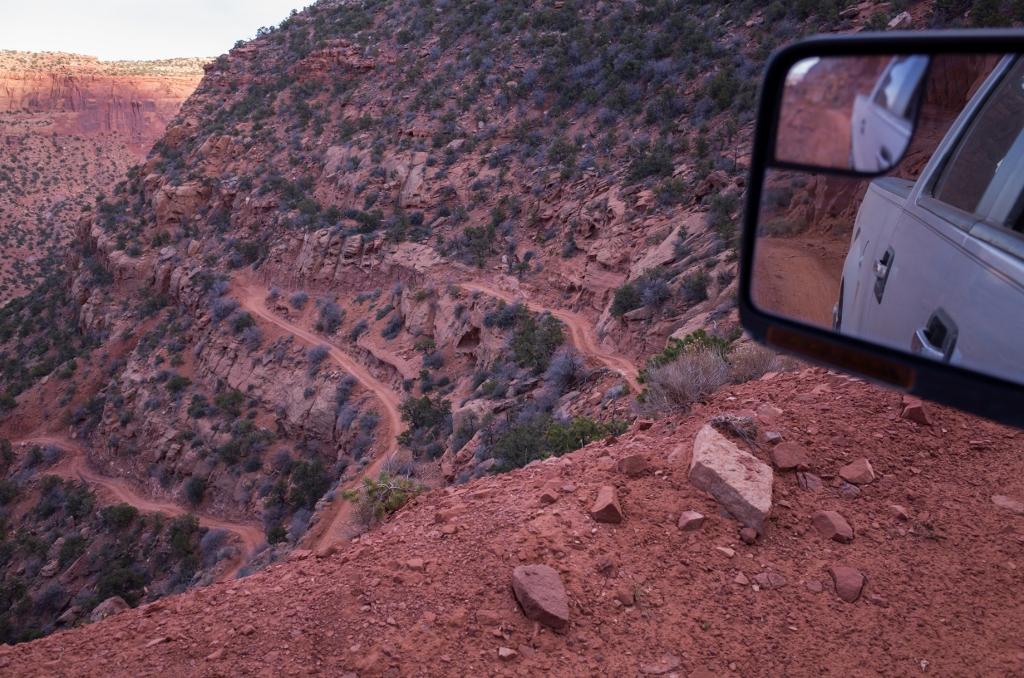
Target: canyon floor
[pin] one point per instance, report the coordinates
(429, 592)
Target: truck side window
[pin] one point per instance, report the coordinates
(973, 163)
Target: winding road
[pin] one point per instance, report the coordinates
(332, 523)
(75, 466)
(581, 332)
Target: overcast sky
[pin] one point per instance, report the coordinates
(136, 29)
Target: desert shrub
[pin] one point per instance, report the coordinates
(393, 327)
(650, 160)
(177, 383)
(73, 546)
(195, 488)
(241, 321)
(229, 402)
(564, 370)
(694, 374)
(211, 546)
(277, 534)
(542, 436)
(246, 441)
(650, 289)
(121, 580)
(309, 482)
(183, 533)
(330, 318)
(380, 497)
(298, 300)
(694, 288)
(429, 421)
(626, 298)
(535, 340)
(118, 516)
(222, 308)
(720, 215)
(358, 329)
(315, 356)
(8, 491)
(751, 361)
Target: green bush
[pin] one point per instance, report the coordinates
(72, 547)
(380, 497)
(195, 488)
(309, 482)
(118, 516)
(543, 436)
(177, 383)
(535, 340)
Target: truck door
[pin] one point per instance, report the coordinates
(955, 291)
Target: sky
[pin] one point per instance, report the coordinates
(137, 29)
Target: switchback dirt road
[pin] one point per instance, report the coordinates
(332, 524)
(114, 490)
(581, 332)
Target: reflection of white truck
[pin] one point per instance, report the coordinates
(936, 266)
(883, 121)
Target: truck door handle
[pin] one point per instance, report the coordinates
(882, 268)
(937, 339)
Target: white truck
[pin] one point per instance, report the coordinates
(936, 265)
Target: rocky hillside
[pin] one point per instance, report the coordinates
(890, 547)
(70, 127)
(389, 246)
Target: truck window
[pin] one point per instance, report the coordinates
(896, 91)
(973, 163)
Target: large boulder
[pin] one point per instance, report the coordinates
(738, 480)
(540, 592)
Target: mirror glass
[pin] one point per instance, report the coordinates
(850, 113)
(927, 258)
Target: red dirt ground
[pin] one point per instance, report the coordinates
(943, 592)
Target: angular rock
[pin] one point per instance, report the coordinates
(899, 512)
(739, 481)
(832, 525)
(606, 508)
(748, 536)
(690, 521)
(107, 608)
(769, 580)
(634, 466)
(507, 653)
(1009, 503)
(540, 592)
(666, 664)
(549, 493)
(789, 456)
(849, 582)
(772, 437)
(858, 472)
(848, 490)
(809, 482)
(914, 410)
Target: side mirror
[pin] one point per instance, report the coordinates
(884, 224)
(850, 112)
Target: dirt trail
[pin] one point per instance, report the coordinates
(581, 332)
(332, 523)
(75, 466)
(798, 277)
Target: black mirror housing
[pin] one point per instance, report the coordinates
(937, 372)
